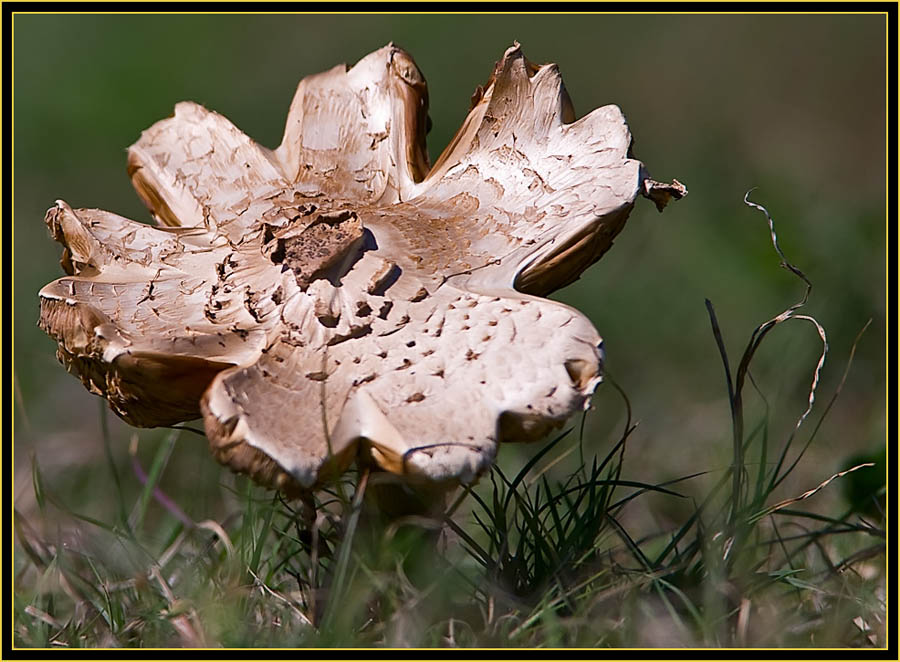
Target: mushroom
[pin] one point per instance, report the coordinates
(338, 298)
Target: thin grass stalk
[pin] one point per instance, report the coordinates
(160, 460)
(122, 515)
(343, 561)
(737, 417)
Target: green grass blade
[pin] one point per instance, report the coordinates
(163, 453)
(530, 464)
(340, 575)
(121, 513)
(261, 538)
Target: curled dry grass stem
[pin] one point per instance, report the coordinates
(761, 331)
(736, 386)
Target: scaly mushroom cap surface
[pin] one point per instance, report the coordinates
(337, 297)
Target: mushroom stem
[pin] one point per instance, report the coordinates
(399, 500)
(403, 522)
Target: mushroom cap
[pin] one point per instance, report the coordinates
(338, 298)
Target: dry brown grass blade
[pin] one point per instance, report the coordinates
(216, 528)
(281, 598)
(787, 502)
(184, 620)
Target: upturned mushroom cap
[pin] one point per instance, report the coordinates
(337, 298)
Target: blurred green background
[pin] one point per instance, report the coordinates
(793, 105)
